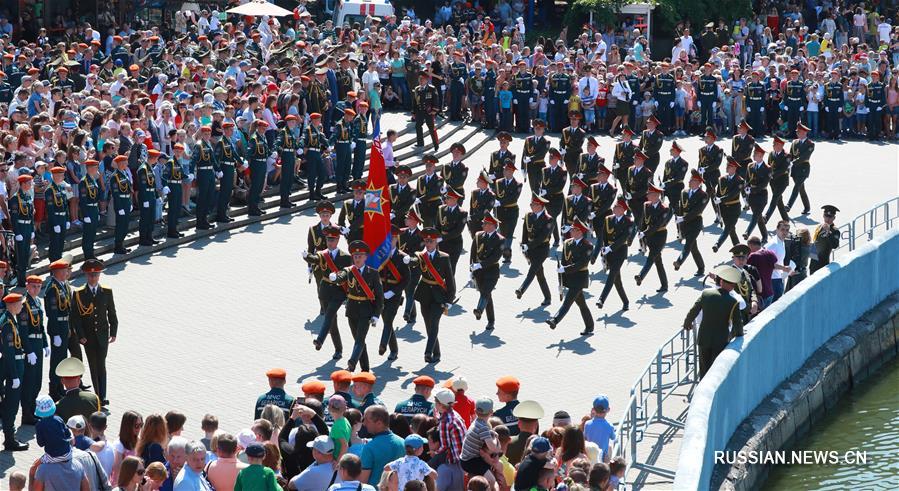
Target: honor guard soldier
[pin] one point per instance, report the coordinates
(639, 177)
(794, 101)
(360, 139)
(825, 239)
(21, 216)
(95, 323)
(779, 162)
(342, 141)
(258, 155)
(365, 300)
(755, 103)
(35, 346)
(402, 196)
(801, 150)
(429, 190)
(410, 242)
(435, 291)
(172, 179)
(602, 195)
(758, 175)
(207, 170)
(455, 173)
(489, 97)
(721, 319)
(615, 233)
(394, 279)
(507, 190)
(13, 369)
(146, 195)
(654, 234)
(352, 214)
(743, 144)
(316, 238)
(425, 102)
(276, 395)
(58, 302)
(480, 201)
(750, 282)
(89, 196)
(624, 156)
(286, 144)
(651, 143)
(475, 88)
(524, 88)
(552, 188)
(673, 180)
(536, 229)
(576, 205)
(833, 105)
(458, 73)
(315, 143)
(486, 250)
(332, 295)
(574, 276)
(560, 84)
(75, 401)
(499, 158)
(710, 157)
(533, 156)
(572, 143)
(727, 198)
(708, 95)
(231, 164)
(120, 187)
(451, 222)
(588, 165)
(664, 94)
(58, 211)
(418, 403)
(689, 219)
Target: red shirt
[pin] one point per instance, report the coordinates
(602, 96)
(465, 407)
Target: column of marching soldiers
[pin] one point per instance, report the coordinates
(595, 220)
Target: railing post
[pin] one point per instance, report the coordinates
(886, 214)
(633, 431)
(659, 385)
(852, 236)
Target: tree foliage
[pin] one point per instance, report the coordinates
(666, 14)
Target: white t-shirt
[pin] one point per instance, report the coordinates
(778, 248)
(602, 50)
(314, 478)
(410, 468)
(883, 31)
(106, 456)
(4, 196)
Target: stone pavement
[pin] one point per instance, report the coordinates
(200, 323)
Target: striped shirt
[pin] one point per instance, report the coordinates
(478, 433)
(452, 434)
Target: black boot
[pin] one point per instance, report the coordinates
(10, 444)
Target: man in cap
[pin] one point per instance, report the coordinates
(560, 86)
(313, 389)
(58, 303)
(121, 189)
(507, 190)
(402, 195)
(173, 178)
(535, 234)
(654, 233)
(34, 344)
(455, 173)
(232, 164)
(615, 232)
(486, 251)
(533, 155)
(602, 195)
(501, 157)
(758, 175)
(315, 238)
(342, 141)
(458, 73)
(710, 157)
(663, 89)
(572, 143)
(727, 198)
(286, 144)
(507, 388)
(410, 242)
(361, 137)
(721, 318)
(13, 364)
(89, 197)
(425, 104)
(436, 289)
(352, 214)
(689, 219)
(363, 396)
(277, 379)
(207, 169)
(528, 414)
(74, 400)
(331, 295)
(779, 163)
(321, 474)
(574, 276)
(750, 282)
(624, 156)
(801, 150)
(57, 212)
(707, 87)
(451, 432)
(365, 300)
(314, 143)
(480, 202)
(146, 196)
(95, 322)
(639, 178)
(429, 190)
(825, 239)
(451, 221)
(673, 180)
(552, 189)
(651, 143)
(794, 101)
(833, 105)
(418, 403)
(588, 163)
(576, 205)
(394, 278)
(21, 216)
(755, 103)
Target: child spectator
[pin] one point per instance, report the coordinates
(479, 440)
(341, 429)
(574, 103)
(588, 100)
(849, 112)
(17, 481)
(680, 108)
(602, 102)
(410, 467)
(861, 110)
(256, 476)
(617, 467)
(543, 105)
(101, 447)
(598, 430)
(51, 432)
(77, 425)
(647, 109)
(41, 176)
(209, 425)
(505, 107)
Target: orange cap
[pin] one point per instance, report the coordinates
(508, 384)
(24, 178)
(365, 378)
(12, 298)
(276, 373)
(153, 153)
(424, 380)
(313, 387)
(58, 264)
(58, 170)
(341, 376)
(33, 278)
(120, 158)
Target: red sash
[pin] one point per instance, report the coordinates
(395, 272)
(333, 267)
(368, 293)
(432, 270)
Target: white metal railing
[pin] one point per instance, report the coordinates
(884, 215)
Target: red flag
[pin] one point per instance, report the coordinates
(376, 225)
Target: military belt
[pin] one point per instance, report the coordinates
(35, 336)
(228, 163)
(91, 204)
(429, 282)
(361, 139)
(734, 202)
(174, 181)
(24, 222)
(513, 205)
(19, 357)
(358, 298)
(59, 213)
(125, 196)
(204, 167)
(316, 150)
(62, 318)
(345, 142)
(393, 282)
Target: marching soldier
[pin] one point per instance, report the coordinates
(654, 234)
(352, 214)
(524, 87)
(429, 189)
(342, 141)
(552, 188)
(708, 95)
(721, 320)
(455, 173)
(825, 239)
(458, 73)
(560, 84)
(480, 202)
(615, 233)
(365, 300)
(639, 178)
(651, 143)
(120, 186)
(58, 211)
(673, 180)
(435, 291)
(34, 344)
(21, 216)
(89, 197)
(316, 239)
(794, 100)
(402, 196)
(533, 156)
(572, 143)
(602, 195)
(689, 218)
(508, 189)
(146, 195)
(58, 302)
(326, 262)
(833, 105)
(231, 164)
(624, 156)
(710, 157)
(728, 200)
(801, 150)
(499, 158)
(576, 205)
(95, 323)
(755, 103)
(207, 170)
(758, 175)
(315, 143)
(486, 250)
(287, 144)
(743, 144)
(13, 370)
(258, 155)
(588, 165)
(574, 276)
(536, 230)
(360, 139)
(410, 242)
(395, 281)
(425, 106)
(451, 222)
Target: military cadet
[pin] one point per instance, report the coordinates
(429, 190)
(352, 214)
(21, 216)
(451, 222)
(455, 173)
(34, 344)
(588, 165)
(75, 400)
(758, 175)
(58, 211)
(825, 239)
(172, 177)
(560, 84)
(708, 95)
(536, 229)
(425, 105)
(602, 195)
(486, 250)
(507, 190)
(524, 88)
(313, 389)
(833, 105)
(315, 143)
(277, 379)
(727, 198)
(710, 156)
(120, 186)
(743, 144)
(458, 73)
(576, 205)
(480, 201)
(410, 242)
(507, 389)
(394, 279)
(258, 155)
(89, 196)
(755, 103)
(13, 369)
(286, 144)
(794, 101)
(624, 156)
(615, 233)
(750, 281)
(499, 158)
(801, 150)
(146, 196)
(552, 188)
(342, 141)
(689, 219)
(206, 167)
(231, 164)
(365, 300)
(436, 289)
(489, 97)
(664, 95)
(721, 319)
(95, 323)
(651, 143)
(639, 178)
(418, 403)
(533, 156)
(673, 180)
(341, 380)
(574, 276)
(360, 139)
(402, 195)
(654, 233)
(58, 302)
(316, 239)
(572, 143)
(330, 294)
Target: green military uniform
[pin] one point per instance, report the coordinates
(401, 200)
(231, 164)
(486, 251)
(673, 182)
(172, 177)
(576, 206)
(287, 144)
(21, 216)
(602, 195)
(13, 369)
(360, 144)
(552, 188)
(89, 196)
(721, 322)
(536, 230)
(635, 190)
(394, 280)
(825, 239)
(76, 401)
(342, 141)
(34, 345)
(480, 202)
(428, 190)
(314, 143)
(615, 233)
(146, 196)
(96, 322)
(779, 163)
(58, 303)
(365, 301)
(454, 174)
(352, 218)
(623, 160)
(710, 157)
(57, 219)
(533, 159)
(758, 175)
(650, 144)
(692, 204)
(588, 167)
(424, 105)
(572, 144)
(330, 293)
(728, 197)
(575, 259)
(800, 157)
(435, 290)
(120, 186)
(451, 222)
(498, 161)
(655, 234)
(258, 152)
(507, 193)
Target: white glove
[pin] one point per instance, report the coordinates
(57, 229)
(592, 215)
(476, 266)
(702, 170)
(827, 109)
(580, 175)
(32, 358)
(190, 177)
(121, 212)
(562, 151)
(332, 276)
(353, 146)
(68, 225)
(374, 320)
(57, 341)
(304, 254)
(717, 200)
(32, 235)
(747, 189)
(566, 229)
(761, 109)
(565, 101)
(496, 203)
(392, 215)
(552, 101)
(526, 160)
(524, 248)
(748, 109)
(801, 108)
(671, 104)
(219, 174)
(87, 220)
(16, 383)
(542, 192)
(483, 99)
(627, 196)
(678, 219)
(714, 105)
(389, 294)
(417, 201)
(166, 190)
(662, 186)
(273, 155)
(47, 352)
(407, 259)
(698, 103)
(531, 100)
(19, 238)
(879, 108)
(344, 230)
(145, 204)
(439, 239)
(443, 87)
(461, 80)
(470, 276)
(639, 235)
(561, 269)
(299, 151)
(606, 250)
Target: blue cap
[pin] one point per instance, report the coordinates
(255, 450)
(118, 63)
(540, 445)
(601, 403)
(414, 441)
(44, 407)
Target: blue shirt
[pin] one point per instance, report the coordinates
(505, 99)
(379, 451)
(600, 432)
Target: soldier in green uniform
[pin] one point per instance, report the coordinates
(651, 143)
(552, 188)
(58, 303)
(758, 176)
(172, 178)
(206, 166)
(576, 205)
(352, 214)
(57, 212)
(451, 222)
(146, 196)
(499, 158)
(664, 95)
(21, 216)
(286, 144)
(394, 279)
(743, 144)
(801, 150)
(779, 162)
(794, 101)
(75, 400)
(342, 141)
(721, 319)
(588, 164)
(480, 202)
(95, 323)
(727, 198)
(424, 106)
(533, 156)
(402, 195)
(34, 344)
(524, 88)
(365, 300)
(639, 178)
(750, 283)
(458, 73)
(474, 86)
(429, 190)
(507, 190)
(410, 242)
(435, 290)
(455, 173)
(602, 195)
(314, 144)
(360, 139)
(755, 103)
(673, 180)
(833, 105)
(825, 239)
(689, 218)
(624, 156)
(615, 233)
(560, 90)
(232, 165)
(710, 157)
(486, 250)
(13, 364)
(489, 97)
(707, 88)
(536, 229)
(331, 295)
(258, 154)
(418, 403)
(277, 379)
(572, 143)
(654, 233)
(90, 193)
(574, 276)
(120, 186)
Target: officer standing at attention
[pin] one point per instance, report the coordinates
(360, 139)
(825, 239)
(779, 162)
(418, 403)
(801, 150)
(664, 95)
(365, 300)
(207, 170)
(486, 250)
(146, 195)
(458, 74)
(758, 175)
(120, 186)
(572, 143)
(552, 188)
(692, 203)
(574, 276)
(394, 280)
(455, 173)
(425, 105)
(794, 101)
(560, 90)
(533, 156)
(231, 164)
(508, 189)
(636, 186)
(451, 222)
(721, 319)
(13, 364)
(489, 97)
(833, 105)
(58, 211)
(755, 103)
(277, 379)
(651, 143)
(499, 158)
(708, 95)
(286, 144)
(429, 189)
(58, 301)
(673, 180)
(480, 202)
(315, 143)
(35, 346)
(536, 230)
(654, 234)
(89, 196)
(342, 141)
(624, 156)
(21, 216)
(172, 178)
(258, 153)
(524, 88)
(95, 323)
(727, 198)
(710, 156)
(330, 294)
(615, 233)
(410, 242)
(402, 195)
(352, 214)
(435, 291)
